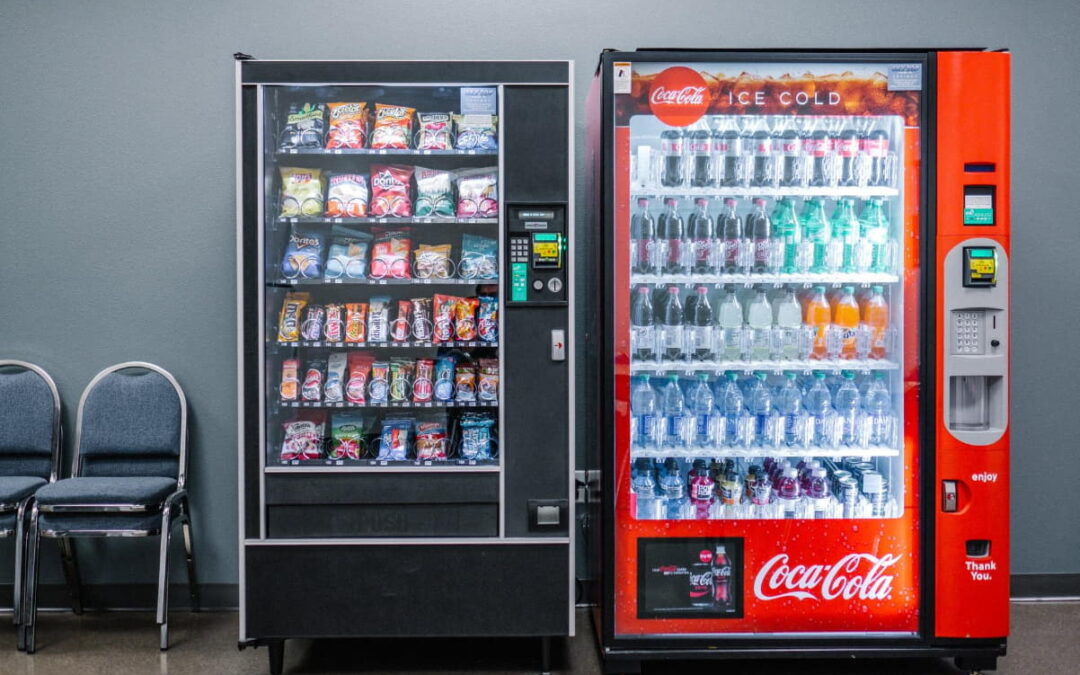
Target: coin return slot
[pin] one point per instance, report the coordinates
(977, 548)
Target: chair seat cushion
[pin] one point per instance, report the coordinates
(119, 524)
(149, 491)
(14, 489)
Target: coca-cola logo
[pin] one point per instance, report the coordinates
(856, 575)
(679, 96)
(705, 556)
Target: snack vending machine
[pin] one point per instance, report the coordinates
(804, 409)
(405, 339)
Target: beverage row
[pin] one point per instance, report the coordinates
(392, 193)
(394, 127)
(439, 319)
(785, 413)
(845, 326)
(731, 488)
(353, 436)
(749, 151)
(783, 241)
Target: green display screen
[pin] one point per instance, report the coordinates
(981, 253)
(545, 237)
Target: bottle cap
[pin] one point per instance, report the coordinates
(643, 290)
(791, 472)
(702, 289)
(819, 289)
(877, 289)
(670, 201)
(791, 375)
(758, 201)
(732, 375)
(673, 290)
(819, 374)
(760, 375)
(849, 289)
(701, 201)
(848, 375)
(643, 201)
(729, 201)
(818, 472)
(873, 482)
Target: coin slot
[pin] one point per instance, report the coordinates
(977, 548)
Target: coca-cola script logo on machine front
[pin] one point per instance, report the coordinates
(679, 96)
(856, 575)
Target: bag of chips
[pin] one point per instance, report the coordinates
(476, 132)
(379, 320)
(465, 319)
(434, 193)
(335, 323)
(390, 254)
(478, 193)
(356, 321)
(314, 377)
(290, 379)
(289, 320)
(393, 126)
(444, 308)
(348, 253)
(444, 379)
(401, 371)
(348, 125)
(488, 319)
(334, 392)
(379, 384)
(395, 439)
(430, 441)
(357, 386)
(465, 383)
(476, 436)
(488, 387)
(423, 384)
(432, 261)
(347, 195)
(421, 319)
(479, 257)
(436, 131)
(301, 192)
(346, 436)
(304, 126)
(304, 436)
(303, 253)
(390, 191)
(400, 328)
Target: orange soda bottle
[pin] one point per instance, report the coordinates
(816, 314)
(846, 319)
(875, 314)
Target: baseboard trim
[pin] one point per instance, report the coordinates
(129, 596)
(1045, 585)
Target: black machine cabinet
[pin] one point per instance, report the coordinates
(405, 326)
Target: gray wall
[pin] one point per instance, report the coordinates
(117, 192)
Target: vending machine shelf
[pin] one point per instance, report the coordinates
(828, 365)
(728, 451)
(395, 152)
(751, 192)
(415, 220)
(392, 404)
(424, 344)
(777, 279)
(375, 466)
(383, 282)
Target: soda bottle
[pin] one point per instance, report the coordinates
(702, 233)
(817, 314)
(848, 409)
(718, 153)
(730, 228)
(787, 323)
(791, 152)
(880, 411)
(845, 228)
(788, 231)
(788, 492)
(643, 406)
(845, 320)
(675, 420)
(819, 154)
(876, 147)
(875, 314)
(848, 150)
(819, 492)
(701, 171)
(760, 404)
(730, 321)
(643, 239)
(732, 143)
(699, 326)
(673, 341)
(759, 320)
(759, 229)
(642, 326)
(789, 403)
(721, 574)
(672, 489)
(816, 230)
(700, 398)
(819, 405)
(762, 152)
(731, 494)
(673, 234)
(702, 490)
(672, 150)
(874, 235)
(730, 405)
(644, 488)
(701, 581)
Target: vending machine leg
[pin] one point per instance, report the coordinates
(975, 664)
(277, 656)
(545, 655)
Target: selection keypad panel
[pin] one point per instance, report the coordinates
(969, 332)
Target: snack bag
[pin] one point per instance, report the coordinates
(356, 388)
(421, 319)
(390, 254)
(314, 377)
(290, 379)
(289, 319)
(436, 131)
(444, 379)
(430, 441)
(478, 193)
(395, 439)
(303, 253)
(444, 318)
(423, 384)
(312, 326)
(476, 132)
(379, 320)
(390, 191)
(334, 392)
(465, 319)
(393, 126)
(465, 383)
(476, 440)
(399, 329)
(304, 436)
(488, 319)
(347, 196)
(346, 436)
(348, 253)
(434, 193)
(301, 192)
(304, 126)
(335, 323)
(400, 379)
(348, 125)
(379, 385)
(432, 261)
(355, 321)
(479, 257)
(488, 387)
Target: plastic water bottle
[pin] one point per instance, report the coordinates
(848, 407)
(788, 230)
(729, 317)
(816, 230)
(759, 320)
(819, 404)
(874, 237)
(789, 403)
(700, 399)
(645, 488)
(675, 420)
(788, 324)
(788, 492)
(845, 229)
(879, 409)
(730, 404)
(699, 325)
(819, 492)
(672, 489)
(760, 404)
(643, 406)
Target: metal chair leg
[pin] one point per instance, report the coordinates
(20, 562)
(27, 634)
(193, 581)
(163, 578)
(71, 573)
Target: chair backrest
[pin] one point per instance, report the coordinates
(29, 421)
(132, 421)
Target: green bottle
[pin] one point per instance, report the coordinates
(845, 228)
(816, 230)
(874, 231)
(786, 229)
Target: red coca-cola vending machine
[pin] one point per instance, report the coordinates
(804, 353)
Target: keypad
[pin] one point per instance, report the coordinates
(967, 333)
(519, 249)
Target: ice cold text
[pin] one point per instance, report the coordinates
(784, 98)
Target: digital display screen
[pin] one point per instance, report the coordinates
(547, 250)
(982, 253)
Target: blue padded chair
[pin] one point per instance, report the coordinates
(128, 477)
(30, 444)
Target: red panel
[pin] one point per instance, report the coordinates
(971, 595)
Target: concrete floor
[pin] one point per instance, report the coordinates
(1045, 641)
